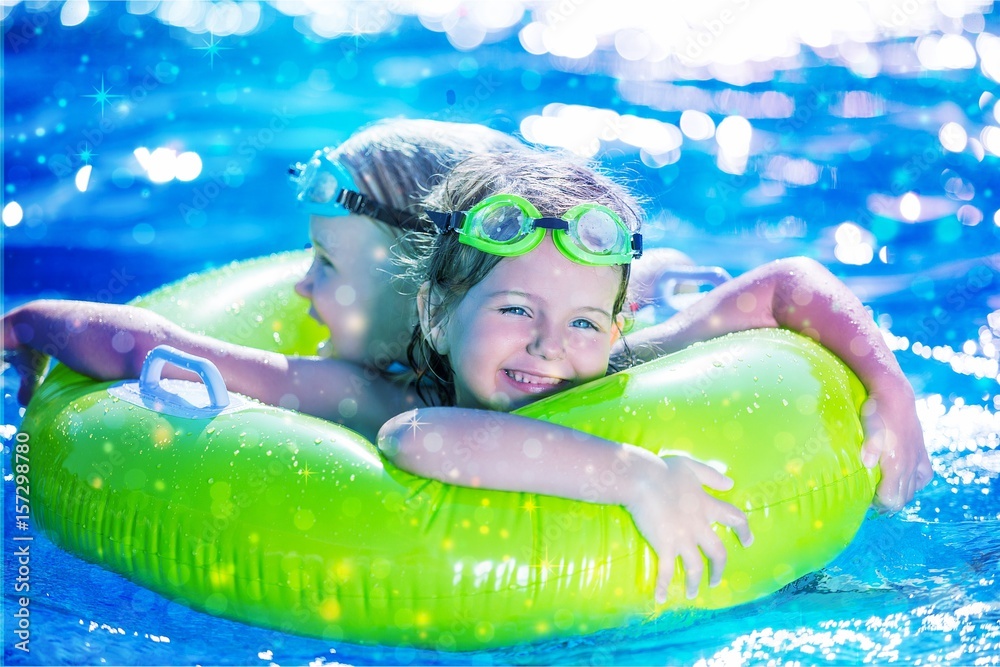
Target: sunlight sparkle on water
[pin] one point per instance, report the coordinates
(733, 136)
(82, 179)
(74, 13)
(12, 214)
(583, 129)
(953, 137)
(854, 244)
(164, 164)
(909, 206)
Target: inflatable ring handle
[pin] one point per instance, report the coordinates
(161, 355)
(716, 275)
(669, 279)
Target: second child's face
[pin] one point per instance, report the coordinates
(350, 290)
(538, 324)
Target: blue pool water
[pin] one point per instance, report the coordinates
(878, 156)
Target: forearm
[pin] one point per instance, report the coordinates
(508, 452)
(102, 341)
(110, 342)
(815, 303)
(797, 294)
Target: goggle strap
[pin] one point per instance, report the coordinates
(359, 204)
(636, 245)
(551, 223)
(445, 222)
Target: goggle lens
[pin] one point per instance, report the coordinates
(317, 186)
(599, 233)
(503, 224)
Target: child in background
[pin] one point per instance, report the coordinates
(361, 196)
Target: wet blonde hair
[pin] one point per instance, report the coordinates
(554, 182)
(398, 161)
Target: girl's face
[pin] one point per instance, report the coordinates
(539, 323)
(350, 290)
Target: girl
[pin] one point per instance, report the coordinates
(510, 312)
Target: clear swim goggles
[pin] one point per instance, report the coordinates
(324, 187)
(508, 225)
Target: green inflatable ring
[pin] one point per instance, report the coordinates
(281, 520)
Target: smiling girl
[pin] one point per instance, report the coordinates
(523, 285)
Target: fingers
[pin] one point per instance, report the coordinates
(694, 568)
(664, 575)
(874, 444)
(924, 471)
(15, 334)
(736, 519)
(894, 441)
(30, 365)
(707, 475)
(697, 551)
(715, 553)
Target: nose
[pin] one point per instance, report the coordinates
(547, 343)
(304, 287)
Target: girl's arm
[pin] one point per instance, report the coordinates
(508, 452)
(802, 295)
(109, 342)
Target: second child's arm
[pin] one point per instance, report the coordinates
(508, 452)
(110, 342)
(802, 295)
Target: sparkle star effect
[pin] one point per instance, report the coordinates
(305, 472)
(358, 32)
(102, 96)
(546, 565)
(415, 423)
(212, 49)
(86, 154)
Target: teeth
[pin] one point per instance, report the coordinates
(534, 379)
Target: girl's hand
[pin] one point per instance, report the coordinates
(675, 515)
(29, 363)
(895, 442)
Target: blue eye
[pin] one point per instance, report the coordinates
(584, 324)
(513, 310)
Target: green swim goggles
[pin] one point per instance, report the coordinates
(508, 225)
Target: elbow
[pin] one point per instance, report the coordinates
(409, 445)
(798, 268)
(397, 438)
